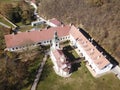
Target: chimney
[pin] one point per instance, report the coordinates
(98, 56)
(91, 40)
(62, 25)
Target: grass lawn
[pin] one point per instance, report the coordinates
(8, 0)
(34, 64)
(26, 28)
(5, 22)
(79, 80)
(32, 70)
(32, 73)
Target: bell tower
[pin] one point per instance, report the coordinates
(55, 41)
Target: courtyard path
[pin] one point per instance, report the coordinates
(39, 73)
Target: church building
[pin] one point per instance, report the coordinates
(62, 66)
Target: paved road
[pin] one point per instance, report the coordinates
(39, 73)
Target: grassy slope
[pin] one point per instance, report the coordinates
(79, 80)
(5, 22)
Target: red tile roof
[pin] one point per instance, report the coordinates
(24, 38)
(33, 1)
(88, 47)
(65, 65)
(55, 21)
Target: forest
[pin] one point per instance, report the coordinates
(99, 18)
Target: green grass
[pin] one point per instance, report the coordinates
(65, 43)
(74, 53)
(8, 0)
(79, 80)
(32, 71)
(26, 28)
(5, 22)
(48, 76)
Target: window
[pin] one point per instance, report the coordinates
(34, 24)
(39, 43)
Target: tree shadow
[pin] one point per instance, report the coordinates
(48, 68)
(67, 50)
(75, 67)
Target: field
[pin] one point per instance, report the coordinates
(79, 80)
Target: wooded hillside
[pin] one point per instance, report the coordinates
(100, 18)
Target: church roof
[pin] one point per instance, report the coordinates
(55, 21)
(65, 65)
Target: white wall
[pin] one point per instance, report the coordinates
(46, 42)
(58, 70)
(87, 58)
